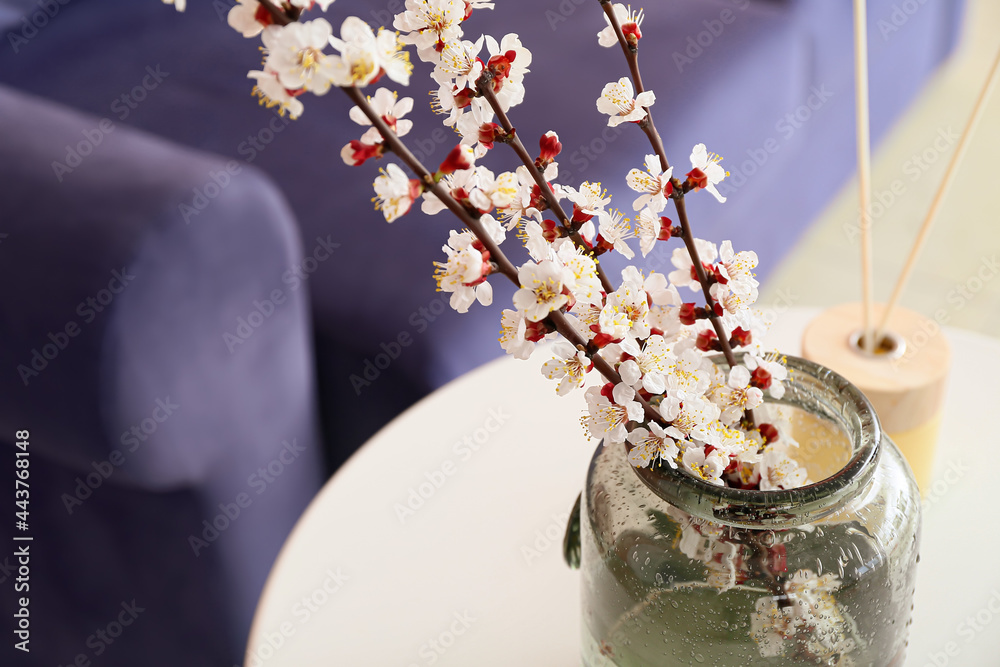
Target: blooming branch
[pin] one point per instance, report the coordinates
(631, 51)
(504, 266)
(663, 398)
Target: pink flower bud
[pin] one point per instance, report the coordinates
(550, 147)
(665, 231)
(535, 331)
(550, 231)
(769, 433)
(499, 65)
(463, 98)
(357, 152)
(697, 179)
(579, 217)
(263, 16)
(632, 33)
(460, 157)
(687, 314)
(489, 133)
(707, 341)
(760, 378)
(740, 337)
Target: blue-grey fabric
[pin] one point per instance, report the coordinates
(145, 417)
(12, 11)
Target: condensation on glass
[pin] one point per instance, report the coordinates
(676, 571)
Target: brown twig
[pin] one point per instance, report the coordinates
(485, 88)
(277, 14)
(688, 237)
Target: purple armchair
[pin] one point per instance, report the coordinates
(167, 466)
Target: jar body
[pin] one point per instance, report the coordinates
(664, 586)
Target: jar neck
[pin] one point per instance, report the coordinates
(823, 393)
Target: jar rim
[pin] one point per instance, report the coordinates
(845, 405)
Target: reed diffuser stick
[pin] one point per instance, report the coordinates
(864, 166)
(949, 177)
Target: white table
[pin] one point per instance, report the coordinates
(471, 571)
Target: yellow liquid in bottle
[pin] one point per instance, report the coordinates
(823, 447)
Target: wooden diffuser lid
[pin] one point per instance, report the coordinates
(905, 382)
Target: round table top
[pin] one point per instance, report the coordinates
(439, 541)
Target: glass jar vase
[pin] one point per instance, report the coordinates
(677, 571)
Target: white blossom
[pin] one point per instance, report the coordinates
(684, 275)
(481, 188)
(444, 102)
(468, 126)
(273, 94)
(651, 444)
(737, 396)
(666, 320)
(394, 60)
(513, 327)
(522, 56)
(774, 367)
(243, 18)
(249, 17)
(569, 365)
(708, 467)
(608, 420)
(625, 16)
(499, 191)
(521, 207)
(430, 24)
(512, 91)
(532, 235)
(732, 302)
(295, 53)
(694, 418)
(363, 55)
(737, 267)
(659, 290)
(466, 180)
(613, 322)
(708, 164)
(618, 101)
(811, 621)
(493, 228)
(463, 274)
(584, 316)
(778, 467)
(459, 64)
(647, 230)
(614, 229)
(654, 184)
(590, 198)
(580, 274)
(625, 312)
(541, 289)
(390, 109)
(689, 377)
(649, 364)
(394, 192)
